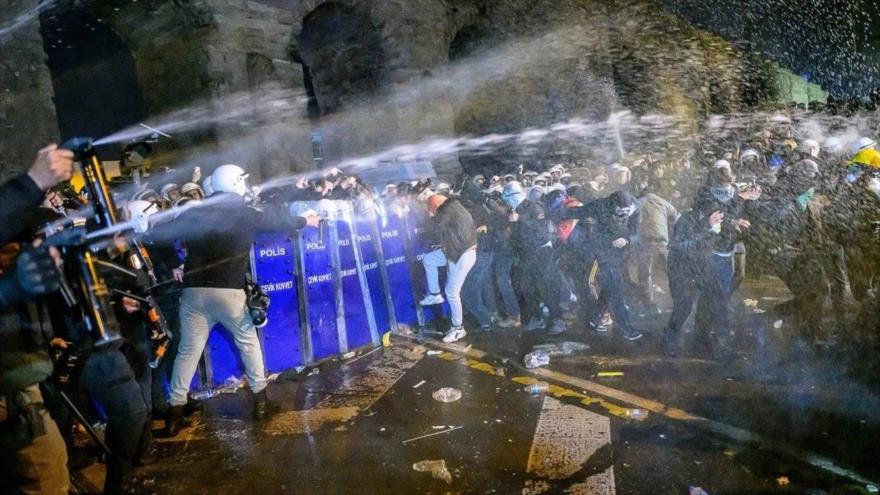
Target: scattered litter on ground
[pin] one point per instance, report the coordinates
(434, 353)
(499, 371)
(777, 324)
(769, 298)
(536, 359)
(750, 303)
(299, 369)
(609, 374)
(449, 429)
(439, 427)
(348, 355)
(758, 311)
(371, 413)
(447, 394)
(695, 490)
(386, 339)
(872, 488)
(203, 394)
(662, 436)
(639, 414)
(783, 481)
(417, 385)
(314, 372)
(561, 349)
(538, 388)
(729, 453)
(436, 468)
(468, 347)
(273, 377)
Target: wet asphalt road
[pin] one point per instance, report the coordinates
(350, 428)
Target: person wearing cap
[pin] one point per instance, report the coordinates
(618, 178)
(528, 178)
(170, 193)
(615, 222)
(700, 260)
(454, 242)
(556, 173)
(192, 190)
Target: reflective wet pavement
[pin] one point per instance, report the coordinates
(728, 426)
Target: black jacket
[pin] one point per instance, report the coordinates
(20, 197)
(607, 227)
(533, 231)
(218, 239)
(23, 359)
(453, 229)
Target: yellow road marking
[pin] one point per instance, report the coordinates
(717, 427)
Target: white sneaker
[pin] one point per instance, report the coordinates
(454, 335)
(432, 299)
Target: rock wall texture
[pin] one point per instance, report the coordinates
(370, 74)
(27, 113)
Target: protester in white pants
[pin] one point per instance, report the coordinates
(454, 237)
(456, 273)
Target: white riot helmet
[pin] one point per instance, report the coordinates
(749, 153)
(722, 164)
(832, 146)
(230, 179)
(809, 147)
(139, 212)
(861, 144)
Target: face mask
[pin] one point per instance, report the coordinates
(723, 194)
(622, 213)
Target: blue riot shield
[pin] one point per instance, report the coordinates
(274, 262)
(392, 231)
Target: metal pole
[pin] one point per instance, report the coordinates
(336, 269)
(362, 277)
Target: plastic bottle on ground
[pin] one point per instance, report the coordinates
(538, 388)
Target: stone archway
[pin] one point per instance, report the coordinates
(93, 74)
(341, 52)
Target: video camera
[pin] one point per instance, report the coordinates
(83, 285)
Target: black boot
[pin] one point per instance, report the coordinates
(174, 422)
(263, 409)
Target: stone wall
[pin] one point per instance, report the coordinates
(603, 55)
(27, 114)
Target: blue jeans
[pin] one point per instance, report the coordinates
(503, 268)
(477, 300)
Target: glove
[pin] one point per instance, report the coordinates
(35, 274)
(36, 271)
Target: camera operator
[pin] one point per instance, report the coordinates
(218, 240)
(33, 457)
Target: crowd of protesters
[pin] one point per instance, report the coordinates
(561, 249)
(544, 249)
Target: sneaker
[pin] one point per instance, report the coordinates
(509, 322)
(535, 324)
(598, 326)
(454, 335)
(632, 334)
(431, 300)
(557, 327)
